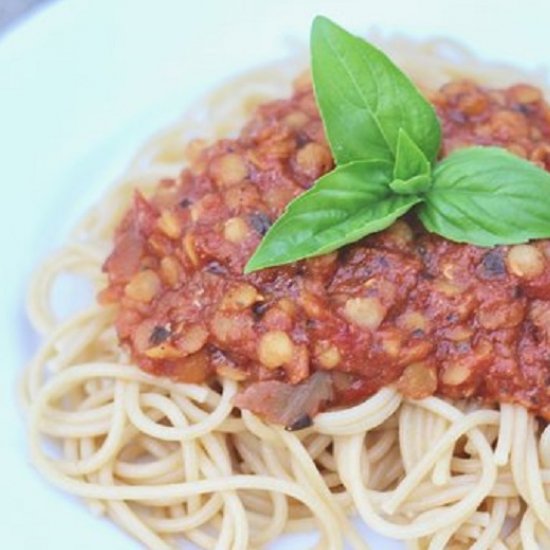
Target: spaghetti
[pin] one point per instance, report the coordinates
(169, 461)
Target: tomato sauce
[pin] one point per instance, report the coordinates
(400, 307)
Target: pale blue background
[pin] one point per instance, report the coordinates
(82, 84)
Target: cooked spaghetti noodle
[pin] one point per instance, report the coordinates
(169, 461)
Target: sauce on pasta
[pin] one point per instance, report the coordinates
(401, 306)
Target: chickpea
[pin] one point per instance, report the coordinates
(509, 123)
(541, 154)
(193, 339)
(459, 333)
(517, 150)
(327, 354)
(365, 312)
(193, 149)
(525, 260)
(525, 94)
(413, 320)
(391, 343)
(417, 381)
(235, 230)
(229, 169)
(501, 315)
(170, 270)
(222, 327)
(296, 119)
(144, 286)
(401, 233)
(303, 82)
(446, 288)
(455, 374)
(241, 297)
(473, 103)
(314, 159)
(287, 305)
(275, 349)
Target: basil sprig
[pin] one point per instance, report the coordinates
(385, 138)
(486, 196)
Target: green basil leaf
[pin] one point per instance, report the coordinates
(486, 196)
(413, 186)
(345, 205)
(410, 161)
(365, 99)
(412, 170)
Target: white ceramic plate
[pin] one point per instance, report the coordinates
(82, 84)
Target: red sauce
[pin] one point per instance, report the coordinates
(401, 306)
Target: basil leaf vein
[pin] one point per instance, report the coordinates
(487, 196)
(345, 205)
(365, 100)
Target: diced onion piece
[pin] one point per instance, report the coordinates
(293, 406)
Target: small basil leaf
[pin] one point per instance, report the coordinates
(345, 205)
(412, 170)
(487, 196)
(410, 161)
(365, 99)
(413, 186)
